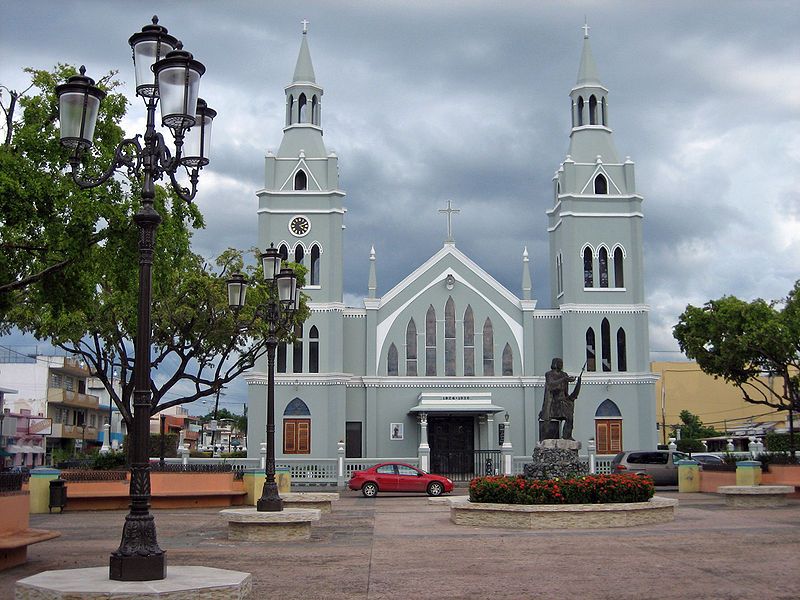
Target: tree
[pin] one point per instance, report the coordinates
(88, 306)
(692, 427)
(743, 341)
(48, 226)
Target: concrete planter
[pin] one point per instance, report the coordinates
(563, 516)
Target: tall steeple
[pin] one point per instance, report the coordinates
(304, 70)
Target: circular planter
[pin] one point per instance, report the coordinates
(563, 516)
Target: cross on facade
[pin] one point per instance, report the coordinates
(449, 211)
(305, 25)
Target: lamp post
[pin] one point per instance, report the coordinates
(278, 312)
(169, 75)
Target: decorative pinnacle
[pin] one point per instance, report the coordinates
(585, 28)
(305, 26)
(82, 70)
(155, 19)
(179, 45)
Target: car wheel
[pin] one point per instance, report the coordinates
(369, 489)
(435, 488)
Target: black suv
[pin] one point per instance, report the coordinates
(659, 464)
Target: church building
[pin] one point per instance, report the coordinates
(449, 363)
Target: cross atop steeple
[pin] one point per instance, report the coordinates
(586, 29)
(449, 212)
(305, 25)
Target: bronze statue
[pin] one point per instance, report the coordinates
(559, 403)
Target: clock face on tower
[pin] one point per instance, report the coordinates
(299, 226)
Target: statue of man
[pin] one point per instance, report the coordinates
(559, 404)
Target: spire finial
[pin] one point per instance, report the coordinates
(449, 212)
(305, 26)
(585, 28)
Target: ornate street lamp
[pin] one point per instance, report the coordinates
(166, 73)
(278, 312)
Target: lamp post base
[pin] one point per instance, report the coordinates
(137, 568)
(270, 500)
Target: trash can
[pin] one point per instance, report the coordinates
(58, 494)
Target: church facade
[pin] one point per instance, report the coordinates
(449, 360)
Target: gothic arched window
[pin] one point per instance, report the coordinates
(603, 110)
(300, 180)
(469, 342)
(508, 361)
(450, 337)
(592, 110)
(301, 109)
(622, 351)
(314, 265)
(591, 361)
(284, 252)
(488, 348)
(314, 110)
(580, 111)
(588, 268)
(600, 185)
(313, 350)
(391, 361)
(290, 110)
(602, 262)
(299, 254)
(411, 348)
(297, 350)
(619, 275)
(430, 342)
(605, 341)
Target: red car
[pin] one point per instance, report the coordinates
(398, 477)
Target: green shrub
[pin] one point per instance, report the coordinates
(690, 445)
(776, 458)
(585, 489)
(779, 442)
(109, 461)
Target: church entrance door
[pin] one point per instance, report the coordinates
(452, 442)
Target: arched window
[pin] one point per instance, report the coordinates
(600, 184)
(281, 359)
(301, 180)
(602, 262)
(592, 110)
(450, 337)
(605, 341)
(411, 349)
(314, 265)
(297, 428)
(580, 111)
(301, 109)
(314, 110)
(313, 350)
(297, 351)
(608, 427)
(560, 272)
(588, 268)
(290, 110)
(469, 342)
(284, 252)
(622, 352)
(508, 361)
(430, 342)
(619, 274)
(603, 110)
(488, 348)
(391, 361)
(299, 254)
(591, 362)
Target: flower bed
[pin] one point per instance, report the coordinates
(585, 489)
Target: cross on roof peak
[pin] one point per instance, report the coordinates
(449, 211)
(586, 29)
(305, 26)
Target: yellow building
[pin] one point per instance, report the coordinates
(683, 386)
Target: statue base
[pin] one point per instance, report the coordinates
(555, 458)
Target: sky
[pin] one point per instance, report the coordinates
(469, 102)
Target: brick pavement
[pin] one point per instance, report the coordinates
(402, 547)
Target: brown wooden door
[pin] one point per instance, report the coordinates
(297, 436)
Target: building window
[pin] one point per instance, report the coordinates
(450, 337)
(619, 276)
(602, 262)
(297, 351)
(290, 110)
(301, 109)
(469, 342)
(488, 348)
(281, 366)
(430, 342)
(391, 361)
(314, 265)
(622, 352)
(508, 361)
(297, 436)
(300, 180)
(69, 384)
(580, 111)
(608, 435)
(588, 268)
(603, 110)
(592, 110)
(284, 252)
(605, 340)
(411, 348)
(600, 185)
(352, 439)
(591, 362)
(313, 350)
(314, 111)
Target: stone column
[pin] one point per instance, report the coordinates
(183, 450)
(592, 449)
(424, 450)
(106, 447)
(263, 453)
(507, 450)
(340, 476)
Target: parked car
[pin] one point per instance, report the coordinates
(707, 459)
(659, 464)
(398, 477)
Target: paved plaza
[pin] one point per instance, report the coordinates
(403, 547)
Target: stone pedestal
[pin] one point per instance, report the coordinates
(555, 458)
(247, 524)
(180, 583)
(318, 500)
